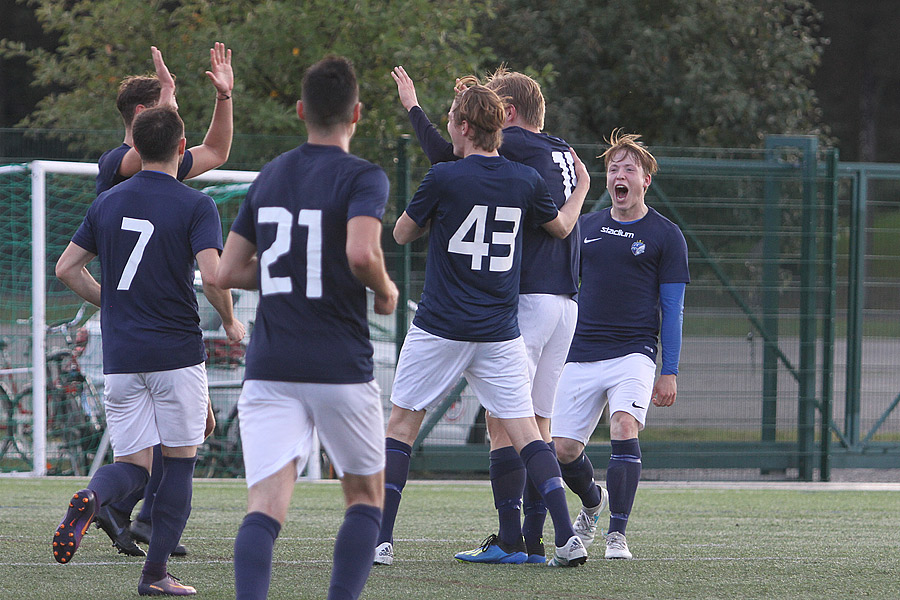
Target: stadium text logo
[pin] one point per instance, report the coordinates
(618, 232)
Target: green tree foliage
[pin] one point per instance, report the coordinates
(681, 72)
(101, 41)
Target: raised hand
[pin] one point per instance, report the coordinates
(405, 88)
(166, 81)
(220, 73)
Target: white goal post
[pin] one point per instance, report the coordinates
(39, 170)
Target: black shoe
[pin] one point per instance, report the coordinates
(141, 530)
(116, 527)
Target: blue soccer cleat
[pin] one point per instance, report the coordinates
(494, 551)
(79, 516)
(536, 552)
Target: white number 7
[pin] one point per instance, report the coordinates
(145, 228)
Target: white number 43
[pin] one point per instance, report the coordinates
(478, 248)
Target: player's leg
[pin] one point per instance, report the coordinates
(276, 437)
(267, 505)
(350, 422)
(498, 376)
(629, 399)
(128, 411)
(547, 323)
(402, 429)
(581, 397)
(179, 399)
(427, 369)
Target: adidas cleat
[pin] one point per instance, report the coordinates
(570, 555)
(494, 551)
(616, 546)
(384, 554)
(167, 586)
(79, 515)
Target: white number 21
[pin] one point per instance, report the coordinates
(312, 220)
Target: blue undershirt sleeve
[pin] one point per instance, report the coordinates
(436, 148)
(671, 301)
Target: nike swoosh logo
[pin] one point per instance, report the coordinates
(638, 407)
(589, 240)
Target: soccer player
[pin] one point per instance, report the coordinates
(547, 310)
(137, 93)
(148, 232)
(466, 322)
(309, 236)
(613, 354)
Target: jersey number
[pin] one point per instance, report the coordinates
(567, 166)
(145, 229)
(478, 248)
(312, 220)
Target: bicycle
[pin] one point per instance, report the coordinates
(75, 418)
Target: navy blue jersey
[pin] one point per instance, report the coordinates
(147, 232)
(477, 208)
(623, 266)
(311, 323)
(549, 264)
(109, 163)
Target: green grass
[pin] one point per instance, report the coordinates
(688, 543)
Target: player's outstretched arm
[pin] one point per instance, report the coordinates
(220, 298)
(405, 88)
(131, 161)
(563, 224)
(70, 269)
(367, 261)
(238, 265)
(216, 146)
(436, 148)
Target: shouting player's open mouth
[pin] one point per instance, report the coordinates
(621, 192)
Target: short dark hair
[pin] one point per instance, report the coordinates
(330, 92)
(156, 133)
(135, 90)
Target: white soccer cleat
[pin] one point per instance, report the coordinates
(616, 546)
(585, 524)
(384, 554)
(570, 555)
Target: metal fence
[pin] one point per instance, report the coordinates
(791, 329)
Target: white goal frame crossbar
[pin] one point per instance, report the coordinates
(39, 170)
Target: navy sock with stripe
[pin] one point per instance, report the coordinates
(622, 477)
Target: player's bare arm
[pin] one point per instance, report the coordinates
(131, 161)
(70, 269)
(220, 298)
(406, 230)
(238, 266)
(405, 88)
(216, 146)
(366, 261)
(664, 391)
(562, 225)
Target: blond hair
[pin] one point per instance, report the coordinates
(483, 110)
(628, 142)
(523, 92)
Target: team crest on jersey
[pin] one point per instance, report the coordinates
(638, 248)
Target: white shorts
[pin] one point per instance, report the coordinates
(547, 323)
(145, 409)
(584, 389)
(429, 366)
(278, 419)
